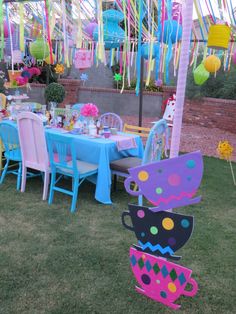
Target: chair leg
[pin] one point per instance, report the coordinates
(4, 171)
(115, 182)
(51, 195)
(45, 186)
(75, 194)
(23, 179)
(19, 176)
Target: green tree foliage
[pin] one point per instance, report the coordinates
(223, 85)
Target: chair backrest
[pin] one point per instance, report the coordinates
(77, 106)
(133, 129)
(10, 139)
(112, 120)
(157, 142)
(3, 100)
(32, 141)
(60, 147)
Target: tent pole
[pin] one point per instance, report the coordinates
(140, 115)
(182, 77)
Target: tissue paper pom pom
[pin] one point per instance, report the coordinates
(89, 110)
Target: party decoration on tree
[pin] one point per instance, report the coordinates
(225, 151)
(161, 233)
(159, 83)
(219, 36)
(172, 30)
(84, 77)
(117, 78)
(113, 34)
(200, 74)
(39, 49)
(212, 64)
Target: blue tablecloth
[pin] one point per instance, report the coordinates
(101, 151)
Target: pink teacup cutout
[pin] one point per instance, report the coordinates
(161, 280)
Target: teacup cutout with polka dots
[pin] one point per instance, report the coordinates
(168, 183)
(161, 280)
(159, 233)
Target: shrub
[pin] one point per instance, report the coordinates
(55, 92)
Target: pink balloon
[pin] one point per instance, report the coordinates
(234, 57)
(90, 28)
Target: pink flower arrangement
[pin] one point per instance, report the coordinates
(89, 110)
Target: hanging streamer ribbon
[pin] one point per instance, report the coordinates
(2, 29)
(48, 29)
(22, 44)
(139, 56)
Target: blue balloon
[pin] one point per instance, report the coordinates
(145, 50)
(114, 35)
(170, 31)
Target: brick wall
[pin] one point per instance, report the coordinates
(72, 88)
(211, 113)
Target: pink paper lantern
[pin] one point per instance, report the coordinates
(234, 57)
(90, 28)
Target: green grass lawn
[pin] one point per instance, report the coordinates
(52, 261)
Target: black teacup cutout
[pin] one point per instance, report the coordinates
(159, 233)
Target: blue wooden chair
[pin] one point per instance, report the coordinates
(157, 142)
(78, 170)
(10, 140)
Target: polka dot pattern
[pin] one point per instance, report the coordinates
(163, 294)
(191, 163)
(153, 230)
(140, 213)
(159, 190)
(172, 287)
(143, 176)
(146, 279)
(168, 224)
(174, 179)
(185, 223)
(171, 241)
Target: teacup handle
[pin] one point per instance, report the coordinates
(194, 288)
(127, 187)
(124, 223)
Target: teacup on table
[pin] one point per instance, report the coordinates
(159, 233)
(161, 280)
(168, 183)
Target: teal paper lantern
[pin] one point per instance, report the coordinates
(200, 74)
(146, 49)
(39, 49)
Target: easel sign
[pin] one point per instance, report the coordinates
(83, 59)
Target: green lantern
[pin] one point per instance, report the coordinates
(39, 49)
(200, 74)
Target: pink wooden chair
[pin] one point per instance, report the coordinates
(112, 120)
(33, 148)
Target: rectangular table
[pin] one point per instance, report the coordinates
(101, 151)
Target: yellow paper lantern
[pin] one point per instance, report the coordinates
(212, 64)
(218, 37)
(48, 59)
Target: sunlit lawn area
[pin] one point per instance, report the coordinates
(52, 261)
